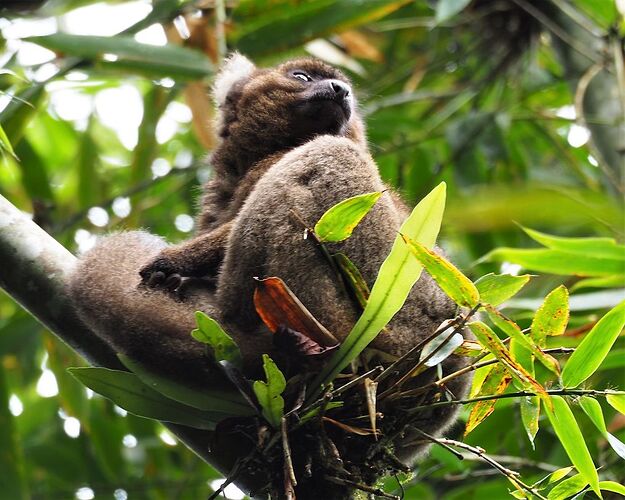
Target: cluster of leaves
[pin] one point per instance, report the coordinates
(438, 108)
(502, 360)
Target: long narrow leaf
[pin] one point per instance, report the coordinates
(455, 284)
(339, 221)
(398, 273)
(552, 316)
(594, 348)
(597, 247)
(572, 440)
(126, 390)
(494, 289)
(592, 408)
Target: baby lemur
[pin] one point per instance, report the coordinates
(291, 140)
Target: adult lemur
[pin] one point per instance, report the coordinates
(291, 139)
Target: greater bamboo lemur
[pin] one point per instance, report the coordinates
(291, 139)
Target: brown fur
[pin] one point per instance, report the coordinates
(263, 172)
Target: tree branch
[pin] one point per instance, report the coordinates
(34, 272)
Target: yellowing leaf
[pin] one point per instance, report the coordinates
(494, 289)
(496, 382)
(594, 348)
(617, 401)
(572, 440)
(513, 330)
(338, 222)
(398, 273)
(455, 284)
(552, 316)
(489, 340)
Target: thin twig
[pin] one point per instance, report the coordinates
(289, 474)
(513, 476)
(519, 394)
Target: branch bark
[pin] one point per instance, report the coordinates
(34, 271)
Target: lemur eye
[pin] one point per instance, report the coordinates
(301, 76)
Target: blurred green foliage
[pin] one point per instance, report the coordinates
(497, 99)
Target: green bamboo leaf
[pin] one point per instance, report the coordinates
(455, 284)
(35, 178)
(495, 289)
(558, 262)
(556, 476)
(513, 331)
(594, 348)
(489, 339)
(126, 390)
(446, 9)
(218, 400)
(552, 316)
(283, 28)
(398, 273)
(597, 247)
(496, 382)
(338, 222)
(209, 332)
(172, 59)
(20, 110)
(612, 486)
(592, 408)
(567, 430)
(5, 143)
(568, 488)
(269, 393)
(354, 279)
(616, 280)
(530, 413)
(617, 401)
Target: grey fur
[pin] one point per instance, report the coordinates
(153, 326)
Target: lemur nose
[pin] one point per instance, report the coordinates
(340, 89)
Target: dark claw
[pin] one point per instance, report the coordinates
(156, 279)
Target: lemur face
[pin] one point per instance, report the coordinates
(285, 106)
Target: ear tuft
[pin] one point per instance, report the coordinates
(234, 68)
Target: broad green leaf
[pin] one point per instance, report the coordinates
(496, 382)
(480, 376)
(495, 289)
(172, 59)
(339, 221)
(513, 331)
(354, 279)
(592, 408)
(446, 9)
(489, 339)
(13, 478)
(304, 21)
(210, 332)
(126, 390)
(558, 262)
(210, 399)
(596, 247)
(269, 393)
(552, 316)
(617, 401)
(398, 273)
(568, 488)
(572, 440)
(594, 348)
(530, 413)
(455, 284)
(612, 486)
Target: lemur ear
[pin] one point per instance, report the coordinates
(234, 68)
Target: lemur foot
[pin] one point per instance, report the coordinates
(161, 273)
